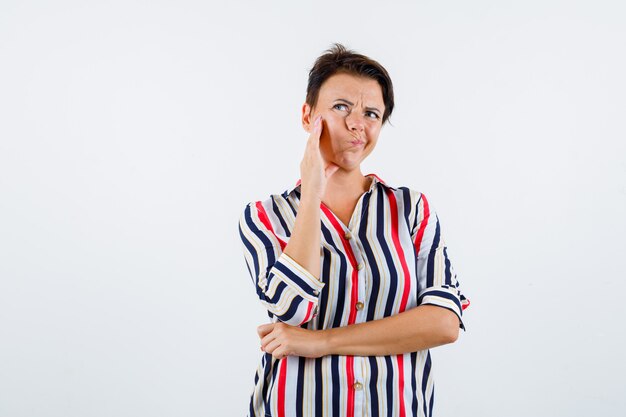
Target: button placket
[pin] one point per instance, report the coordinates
(361, 276)
(358, 386)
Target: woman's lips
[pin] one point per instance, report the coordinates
(357, 142)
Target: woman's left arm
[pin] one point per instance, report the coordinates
(418, 328)
(422, 327)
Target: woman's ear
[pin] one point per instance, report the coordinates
(306, 117)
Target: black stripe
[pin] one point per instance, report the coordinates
(292, 205)
(414, 400)
(323, 299)
(267, 383)
(289, 273)
(389, 384)
(268, 253)
(448, 276)
(430, 269)
(300, 387)
(406, 202)
(374, 385)
(441, 294)
(425, 376)
(335, 385)
(319, 387)
(280, 288)
(277, 213)
(251, 411)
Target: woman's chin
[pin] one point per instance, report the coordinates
(349, 163)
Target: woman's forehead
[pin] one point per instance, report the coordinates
(350, 87)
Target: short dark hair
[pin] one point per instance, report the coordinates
(338, 59)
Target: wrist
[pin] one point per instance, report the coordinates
(325, 345)
(310, 200)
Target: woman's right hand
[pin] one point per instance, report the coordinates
(314, 170)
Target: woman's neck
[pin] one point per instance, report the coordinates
(343, 184)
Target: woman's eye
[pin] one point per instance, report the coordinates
(372, 115)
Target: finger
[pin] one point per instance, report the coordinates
(264, 329)
(317, 130)
(280, 353)
(270, 347)
(267, 339)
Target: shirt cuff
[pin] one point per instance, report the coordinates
(446, 297)
(293, 290)
(296, 277)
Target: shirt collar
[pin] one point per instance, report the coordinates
(376, 179)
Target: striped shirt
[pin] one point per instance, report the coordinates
(389, 258)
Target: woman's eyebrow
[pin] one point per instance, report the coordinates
(352, 104)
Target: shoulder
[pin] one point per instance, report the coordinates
(416, 205)
(271, 211)
(411, 197)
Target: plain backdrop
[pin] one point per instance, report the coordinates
(133, 134)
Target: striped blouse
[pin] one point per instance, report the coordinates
(389, 258)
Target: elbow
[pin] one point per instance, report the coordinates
(451, 326)
(453, 334)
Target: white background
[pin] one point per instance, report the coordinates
(132, 134)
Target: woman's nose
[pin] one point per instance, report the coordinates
(355, 122)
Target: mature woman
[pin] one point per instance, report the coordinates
(354, 272)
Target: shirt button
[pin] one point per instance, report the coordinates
(316, 292)
(360, 266)
(359, 306)
(348, 235)
(357, 385)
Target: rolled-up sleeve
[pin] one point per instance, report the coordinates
(285, 288)
(437, 279)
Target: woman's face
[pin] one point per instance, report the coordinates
(352, 108)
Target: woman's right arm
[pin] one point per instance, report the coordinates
(285, 287)
(287, 275)
(304, 243)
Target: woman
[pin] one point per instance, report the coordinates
(353, 272)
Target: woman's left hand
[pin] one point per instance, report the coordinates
(281, 339)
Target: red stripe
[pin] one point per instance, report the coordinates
(350, 372)
(393, 208)
(266, 222)
(400, 359)
(377, 177)
(308, 312)
(281, 387)
(353, 298)
(420, 233)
